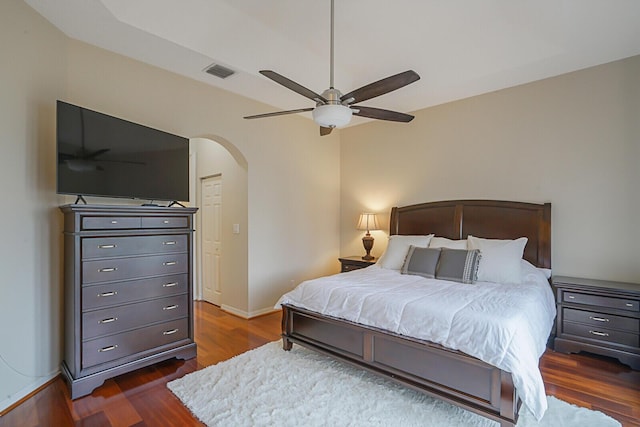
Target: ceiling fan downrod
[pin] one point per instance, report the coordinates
(331, 49)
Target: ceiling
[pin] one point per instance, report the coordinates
(460, 48)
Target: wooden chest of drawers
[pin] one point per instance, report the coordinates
(128, 290)
(600, 317)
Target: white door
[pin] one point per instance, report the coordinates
(211, 238)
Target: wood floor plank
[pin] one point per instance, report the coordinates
(141, 398)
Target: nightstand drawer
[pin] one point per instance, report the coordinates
(600, 320)
(600, 301)
(350, 267)
(354, 263)
(601, 334)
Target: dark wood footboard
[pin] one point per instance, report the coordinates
(449, 375)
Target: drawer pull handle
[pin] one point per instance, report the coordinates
(166, 221)
(111, 347)
(170, 307)
(170, 263)
(170, 242)
(170, 285)
(599, 319)
(107, 269)
(108, 294)
(109, 320)
(629, 304)
(600, 334)
(172, 331)
(107, 246)
(571, 297)
(114, 222)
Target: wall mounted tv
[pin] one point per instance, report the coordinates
(101, 155)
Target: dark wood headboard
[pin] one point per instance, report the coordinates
(491, 219)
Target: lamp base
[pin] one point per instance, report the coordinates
(367, 242)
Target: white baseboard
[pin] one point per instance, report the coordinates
(16, 397)
(245, 314)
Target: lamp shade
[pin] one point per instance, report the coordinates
(368, 221)
(332, 115)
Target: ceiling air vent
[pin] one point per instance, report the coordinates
(219, 71)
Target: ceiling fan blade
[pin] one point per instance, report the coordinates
(380, 87)
(290, 84)
(325, 131)
(129, 162)
(94, 154)
(279, 113)
(380, 114)
(63, 157)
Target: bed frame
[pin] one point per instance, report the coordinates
(422, 365)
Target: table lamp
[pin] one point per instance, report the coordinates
(368, 221)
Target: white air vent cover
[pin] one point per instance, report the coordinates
(219, 71)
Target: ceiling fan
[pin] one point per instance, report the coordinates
(333, 109)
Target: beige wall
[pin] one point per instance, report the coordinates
(291, 207)
(572, 140)
(31, 78)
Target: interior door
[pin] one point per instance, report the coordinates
(211, 198)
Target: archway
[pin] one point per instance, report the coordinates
(214, 156)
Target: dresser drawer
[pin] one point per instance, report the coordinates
(117, 319)
(108, 294)
(165, 222)
(110, 222)
(601, 320)
(601, 301)
(113, 347)
(131, 268)
(601, 334)
(103, 247)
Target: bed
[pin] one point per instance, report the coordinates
(450, 374)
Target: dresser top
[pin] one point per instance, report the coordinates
(129, 209)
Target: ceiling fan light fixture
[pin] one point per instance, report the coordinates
(332, 115)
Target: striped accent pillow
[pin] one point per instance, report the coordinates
(458, 265)
(421, 262)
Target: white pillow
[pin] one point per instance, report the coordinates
(443, 242)
(500, 262)
(398, 247)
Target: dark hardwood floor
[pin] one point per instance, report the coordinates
(141, 398)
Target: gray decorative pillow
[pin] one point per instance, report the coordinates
(458, 265)
(421, 261)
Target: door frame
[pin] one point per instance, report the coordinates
(199, 241)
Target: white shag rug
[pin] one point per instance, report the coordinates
(268, 386)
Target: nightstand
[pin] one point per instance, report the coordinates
(350, 263)
(598, 316)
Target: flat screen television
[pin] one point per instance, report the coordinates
(101, 155)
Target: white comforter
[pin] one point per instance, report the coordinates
(504, 325)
